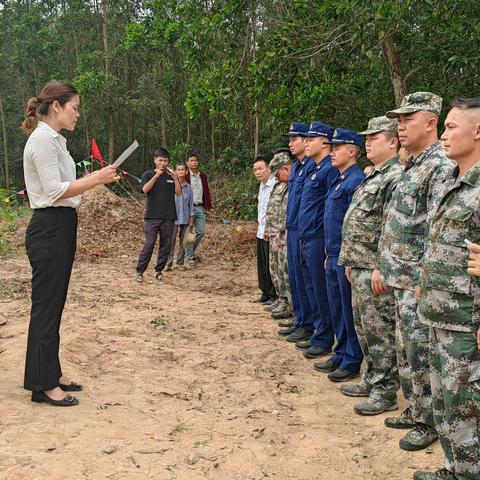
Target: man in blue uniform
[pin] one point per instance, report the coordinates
(303, 326)
(311, 235)
(345, 363)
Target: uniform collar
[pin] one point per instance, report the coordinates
(472, 176)
(323, 161)
(351, 169)
(417, 161)
(388, 164)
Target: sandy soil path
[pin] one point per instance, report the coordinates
(185, 379)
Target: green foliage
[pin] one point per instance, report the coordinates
(235, 195)
(195, 75)
(10, 211)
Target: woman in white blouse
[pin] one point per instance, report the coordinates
(54, 194)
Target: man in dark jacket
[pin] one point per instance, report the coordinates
(202, 202)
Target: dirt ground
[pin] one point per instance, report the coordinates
(184, 379)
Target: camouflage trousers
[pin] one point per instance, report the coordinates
(374, 317)
(279, 268)
(412, 356)
(455, 377)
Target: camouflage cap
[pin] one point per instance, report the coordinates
(416, 102)
(278, 161)
(380, 124)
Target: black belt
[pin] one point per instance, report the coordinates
(198, 204)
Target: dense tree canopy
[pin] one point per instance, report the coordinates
(225, 77)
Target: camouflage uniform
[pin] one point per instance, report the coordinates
(374, 314)
(401, 252)
(450, 305)
(275, 223)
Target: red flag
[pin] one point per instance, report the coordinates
(96, 153)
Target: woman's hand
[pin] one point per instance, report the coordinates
(107, 175)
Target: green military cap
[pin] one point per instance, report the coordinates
(278, 161)
(416, 102)
(380, 124)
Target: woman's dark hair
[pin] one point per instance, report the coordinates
(181, 164)
(38, 106)
(161, 152)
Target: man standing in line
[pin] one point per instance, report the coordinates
(449, 300)
(161, 186)
(267, 182)
(312, 241)
(346, 361)
(275, 234)
(302, 328)
(402, 247)
(373, 303)
(202, 202)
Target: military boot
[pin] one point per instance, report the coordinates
(375, 405)
(271, 306)
(282, 314)
(442, 474)
(421, 436)
(279, 305)
(355, 390)
(404, 420)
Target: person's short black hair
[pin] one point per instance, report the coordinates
(465, 103)
(261, 158)
(192, 154)
(161, 152)
(283, 150)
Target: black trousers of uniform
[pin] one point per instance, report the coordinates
(263, 269)
(51, 241)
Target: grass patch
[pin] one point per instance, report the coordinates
(159, 322)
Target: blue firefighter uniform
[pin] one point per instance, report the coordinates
(312, 243)
(301, 169)
(348, 353)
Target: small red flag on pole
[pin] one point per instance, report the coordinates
(96, 153)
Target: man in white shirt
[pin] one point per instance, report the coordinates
(267, 181)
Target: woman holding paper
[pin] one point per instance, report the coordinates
(54, 195)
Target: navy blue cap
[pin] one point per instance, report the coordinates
(317, 129)
(343, 136)
(297, 129)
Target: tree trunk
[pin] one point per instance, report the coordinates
(106, 48)
(163, 123)
(397, 76)
(214, 153)
(84, 115)
(5, 146)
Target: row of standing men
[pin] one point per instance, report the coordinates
(375, 268)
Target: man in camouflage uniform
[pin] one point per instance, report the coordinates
(401, 253)
(450, 301)
(280, 167)
(373, 304)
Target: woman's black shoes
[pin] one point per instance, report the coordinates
(40, 397)
(71, 387)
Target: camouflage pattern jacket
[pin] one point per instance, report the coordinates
(277, 209)
(450, 298)
(365, 216)
(403, 237)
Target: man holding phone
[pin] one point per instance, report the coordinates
(161, 186)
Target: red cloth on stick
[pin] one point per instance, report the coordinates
(96, 152)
